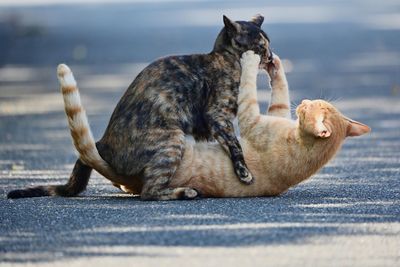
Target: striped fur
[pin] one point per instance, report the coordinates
(170, 98)
(79, 126)
(279, 151)
(89, 157)
(279, 105)
(77, 120)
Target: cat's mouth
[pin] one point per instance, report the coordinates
(270, 56)
(267, 60)
(265, 64)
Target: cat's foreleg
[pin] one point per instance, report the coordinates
(219, 118)
(223, 131)
(248, 108)
(280, 101)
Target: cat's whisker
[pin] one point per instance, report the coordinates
(332, 98)
(335, 99)
(293, 105)
(320, 93)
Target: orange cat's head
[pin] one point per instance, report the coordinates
(321, 119)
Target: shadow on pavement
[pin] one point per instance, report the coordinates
(329, 205)
(349, 54)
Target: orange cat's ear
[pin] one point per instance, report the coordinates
(355, 128)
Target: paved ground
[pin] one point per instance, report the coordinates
(347, 215)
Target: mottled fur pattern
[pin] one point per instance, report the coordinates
(279, 151)
(172, 97)
(181, 95)
(84, 143)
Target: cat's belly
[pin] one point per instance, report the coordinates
(208, 169)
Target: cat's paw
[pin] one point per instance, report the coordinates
(191, 193)
(275, 67)
(185, 193)
(250, 60)
(170, 194)
(243, 173)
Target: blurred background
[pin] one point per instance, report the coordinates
(347, 51)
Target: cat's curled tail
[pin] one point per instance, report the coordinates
(78, 123)
(89, 157)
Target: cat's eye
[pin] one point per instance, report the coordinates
(240, 41)
(262, 44)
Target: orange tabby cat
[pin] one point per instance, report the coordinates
(280, 152)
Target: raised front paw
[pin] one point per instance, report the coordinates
(275, 67)
(250, 60)
(243, 173)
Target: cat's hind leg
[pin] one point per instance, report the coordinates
(162, 166)
(280, 101)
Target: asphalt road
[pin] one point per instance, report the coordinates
(346, 215)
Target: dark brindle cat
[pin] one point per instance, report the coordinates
(173, 96)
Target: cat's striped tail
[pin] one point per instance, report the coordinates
(78, 123)
(84, 143)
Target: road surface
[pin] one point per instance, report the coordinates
(346, 215)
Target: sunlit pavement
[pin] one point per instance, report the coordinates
(347, 215)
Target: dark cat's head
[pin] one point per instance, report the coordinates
(240, 36)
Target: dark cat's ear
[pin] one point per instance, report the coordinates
(257, 19)
(355, 128)
(231, 27)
